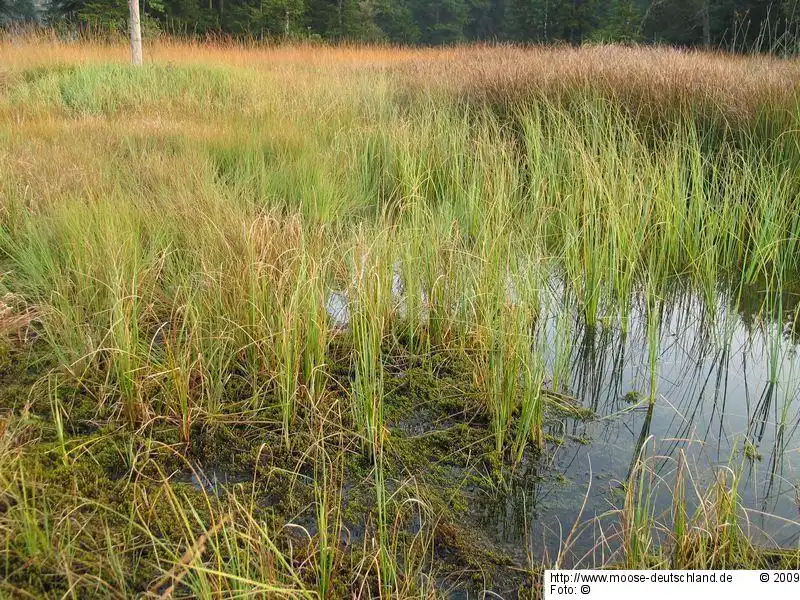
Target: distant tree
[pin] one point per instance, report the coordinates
(579, 19)
(111, 15)
(440, 21)
(396, 20)
(766, 25)
(342, 19)
(485, 20)
(790, 27)
(620, 23)
(532, 20)
(745, 24)
(183, 16)
(674, 21)
(18, 11)
(790, 11)
(732, 24)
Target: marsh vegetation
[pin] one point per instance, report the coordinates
(370, 322)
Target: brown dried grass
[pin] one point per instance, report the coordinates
(642, 76)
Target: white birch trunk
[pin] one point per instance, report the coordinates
(136, 32)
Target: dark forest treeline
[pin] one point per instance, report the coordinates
(761, 25)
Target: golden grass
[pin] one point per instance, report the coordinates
(659, 75)
(665, 76)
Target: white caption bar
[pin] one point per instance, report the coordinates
(670, 585)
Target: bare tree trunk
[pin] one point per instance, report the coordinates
(136, 32)
(706, 25)
(546, 15)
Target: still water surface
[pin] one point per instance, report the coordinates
(727, 396)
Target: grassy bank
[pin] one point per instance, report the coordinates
(318, 273)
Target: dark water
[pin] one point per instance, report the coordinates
(206, 478)
(727, 398)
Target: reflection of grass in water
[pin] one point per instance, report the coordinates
(700, 527)
(797, 495)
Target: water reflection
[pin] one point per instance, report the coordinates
(725, 394)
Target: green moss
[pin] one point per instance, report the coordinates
(222, 446)
(434, 389)
(86, 508)
(751, 452)
(467, 549)
(632, 397)
(21, 366)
